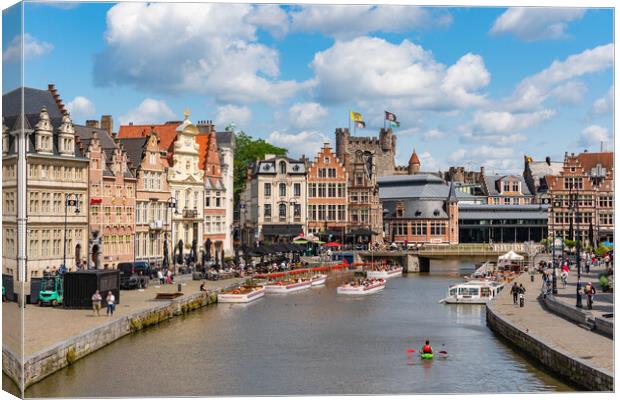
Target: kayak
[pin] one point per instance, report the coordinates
(426, 356)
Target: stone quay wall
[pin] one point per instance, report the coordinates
(578, 371)
(581, 317)
(66, 352)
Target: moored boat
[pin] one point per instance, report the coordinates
(473, 292)
(288, 286)
(385, 272)
(318, 279)
(357, 288)
(243, 294)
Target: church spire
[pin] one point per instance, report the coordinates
(414, 164)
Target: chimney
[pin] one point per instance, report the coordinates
(92, 123)
(481, 170)
(107, 123)
(548, 160)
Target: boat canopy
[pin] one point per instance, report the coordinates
(512, 256)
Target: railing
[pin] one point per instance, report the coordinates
(480, 249)
(190, 213)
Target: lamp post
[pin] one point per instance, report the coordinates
(554, 204)
(71, 200)
(172, 204)
(574, 207)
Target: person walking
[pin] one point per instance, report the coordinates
(515, 292)
(521, 295)
(110, 300)
(168, 277)
(160, 276)
(96, 299)
(590, 291)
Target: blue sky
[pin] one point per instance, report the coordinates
(470, 86)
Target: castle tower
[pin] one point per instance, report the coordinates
(342, 140)
(414, 164)
(453, 213)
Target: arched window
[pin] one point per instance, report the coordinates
(282, 210)
(282, 167)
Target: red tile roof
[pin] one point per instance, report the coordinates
(414, 158)
(165, 132)
(590, 160)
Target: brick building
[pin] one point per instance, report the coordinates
(327, 196)
(591, 177)
(506, 189)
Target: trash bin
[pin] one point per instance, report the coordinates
(179, 287)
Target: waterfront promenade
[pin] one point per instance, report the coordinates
(45, 326)
(549, 332)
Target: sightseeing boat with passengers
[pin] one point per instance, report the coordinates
(473, 292)
(318, 279)
(242, 294)
(361, 288)
(288, 286)
(385, 272)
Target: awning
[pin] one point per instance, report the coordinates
(282, 230)
(361, 232)
(511, 256)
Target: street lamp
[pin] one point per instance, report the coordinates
(574, 207)
(555, 204)
(71, 200)
(172, 204)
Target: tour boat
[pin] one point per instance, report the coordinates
(473, 292)
(385, 273)
(368, 286)
(243, 294)
(318, 279)
(288, 286)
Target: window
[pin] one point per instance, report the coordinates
(195, 200)
(312, 190)
(606, 218)
(438, 228)
(418, 228)
(342, 213)
(188, 195)
(282, 211)
(138, 245)
(359, 178)
(341, 190)
(208, 200)
(144, 180)
(331, 190)
(267, 210)
(282, 167)
(297, 189)
(158, 183)
(138, 210)
(575, 182)
(218, 200)
(267, 187)
(297, 210)
(322, 191)
(506, 187)
(400, 229)
(331, 212)
(326, 160)
(322, 172)
(515, 186)
(331, 172)
(321, 213)
(282, 190)
(152, 181)
(506, 200)
(312, 212)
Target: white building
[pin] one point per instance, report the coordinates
(274, 204)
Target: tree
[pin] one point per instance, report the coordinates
(247, 150)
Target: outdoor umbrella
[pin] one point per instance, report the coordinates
(591, 235)
(217, 261)
(203, 259)
(332, 244)
(165, 261)
(194, 253)
(180, 252)
(208, 249)
(222, 256)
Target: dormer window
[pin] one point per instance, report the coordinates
(515, 186)
(506, 187)
(400, 209)
(282, 167)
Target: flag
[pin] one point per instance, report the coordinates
(360, 124)
(390, 116)
(95, 200)
(394, 124)
(355, 116)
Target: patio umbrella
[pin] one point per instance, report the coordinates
(165, 261)
(194, 253)
(208, 249)
(332, 244)
(217, 261)
(300, 241)
(222, 256)
(591, 235)
(179, 253)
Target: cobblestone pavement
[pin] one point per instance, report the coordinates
(552, 329)
(45, 326)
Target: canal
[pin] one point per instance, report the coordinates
(312, 342)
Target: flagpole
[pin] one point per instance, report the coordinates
(349, 118)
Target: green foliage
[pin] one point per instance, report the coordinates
(545, 242)
(570, 243)
(247, 150)
(602, 250)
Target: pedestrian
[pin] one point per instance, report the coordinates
(168, 277)
(46, 271)
(590, 291)
(202, 287)
(515, 292)
(521, 295)
(96, 299)
(110, 300)
(160, 276)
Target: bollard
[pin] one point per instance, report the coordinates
(179, 287)
(532, 277)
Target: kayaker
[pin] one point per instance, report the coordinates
(427, 349)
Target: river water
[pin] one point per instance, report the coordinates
(312, 342)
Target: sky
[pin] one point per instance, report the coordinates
(470, 86)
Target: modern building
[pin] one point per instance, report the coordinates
(514, 223)
(327, 196)
(274, 203)
(506, 189)
(589, 177)
(152, 195)
(215, 227)
(56, 172)
(420, 209)
(112, 197)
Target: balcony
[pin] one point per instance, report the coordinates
(190, 214)
(156, 226)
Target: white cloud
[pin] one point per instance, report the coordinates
(404, 76)
(536, 23)
(502, 140)
(605, 104)
(272, 18)
(532, 91)
(32, 48)
(304, 115)
(230, 113)
(81, 107)
(490, 122)
(201, 48)
(349, 21)
(306, 143)
(434, 134)
(150, 111)
(428, 162)
(593, 135)
(571, 92)
(502, 158)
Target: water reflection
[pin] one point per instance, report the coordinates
(313, 342)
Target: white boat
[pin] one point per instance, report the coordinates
(390, 272)
(288, 286)
(473, 292)
(243, 294)
(484, 271)
(318, 279)
(360, 289)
